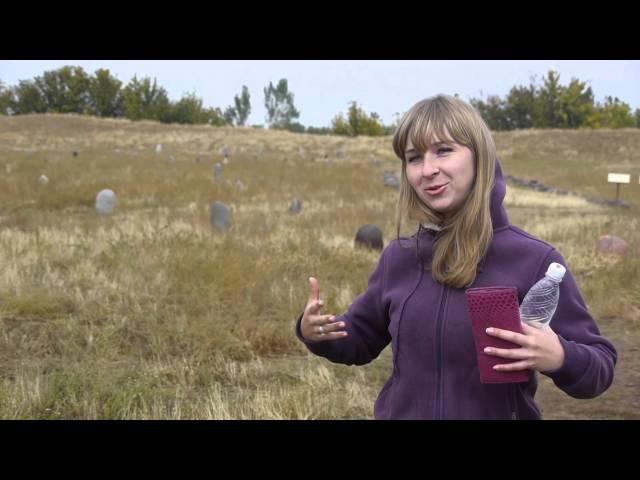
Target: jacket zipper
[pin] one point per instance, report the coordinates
(440, 355)
(513, 402)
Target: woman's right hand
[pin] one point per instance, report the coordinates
(318, 327)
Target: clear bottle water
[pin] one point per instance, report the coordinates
(540, 303)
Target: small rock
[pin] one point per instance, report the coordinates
(369, 236)
(612, 244)
(295, 207)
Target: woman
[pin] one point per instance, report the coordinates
(452, 185)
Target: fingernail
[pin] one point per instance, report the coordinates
(489, 330)
(495, 367)
(487, 350)
(341, 324)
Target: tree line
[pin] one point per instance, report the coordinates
(70, 89)
(553, 105)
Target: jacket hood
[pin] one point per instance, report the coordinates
(498, 213)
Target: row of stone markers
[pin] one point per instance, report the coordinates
(367, 236)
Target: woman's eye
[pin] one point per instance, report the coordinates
(415, 158)
(444, 150)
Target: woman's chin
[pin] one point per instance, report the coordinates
(441, 207)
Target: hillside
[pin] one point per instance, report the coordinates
(575, 160)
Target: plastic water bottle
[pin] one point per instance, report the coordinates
(540, 303)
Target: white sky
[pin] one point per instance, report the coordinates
(324, 88)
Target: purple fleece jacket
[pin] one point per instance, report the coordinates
(435, 371)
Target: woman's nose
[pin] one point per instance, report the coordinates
(429, 167)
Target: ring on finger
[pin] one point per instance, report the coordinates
(321, 329)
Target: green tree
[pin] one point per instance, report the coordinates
(520, 107)
(319, 130)
(356, 118)
(145, 100)
(616, 114)
(357, 122)
(65, 90)
(27, 98)
(577, 103)
(230, 115)
(279, 104)
(637, 116)
(296, 127)
(214, 117)
(340, 126)
(373, 126)
(187, 110)
(550, 104)
(6, 98)
(105, 95)
(593, 120)
(243, 106)
(493, 111)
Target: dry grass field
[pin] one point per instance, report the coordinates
(149, 314)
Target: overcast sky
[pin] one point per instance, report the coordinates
(324, 88)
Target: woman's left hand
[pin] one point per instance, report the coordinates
(540, 350)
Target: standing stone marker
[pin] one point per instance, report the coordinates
(220, 216)
(105, 201)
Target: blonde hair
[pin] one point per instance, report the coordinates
(466, 235)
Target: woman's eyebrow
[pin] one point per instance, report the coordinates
(434, 144)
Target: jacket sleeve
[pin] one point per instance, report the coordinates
(590, 358)
(366, 323)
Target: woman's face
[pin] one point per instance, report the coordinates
(443, 176)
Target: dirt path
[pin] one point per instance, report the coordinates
(621, 400)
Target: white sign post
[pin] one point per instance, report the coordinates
(619, 178)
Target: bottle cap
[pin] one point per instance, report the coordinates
(556, 272)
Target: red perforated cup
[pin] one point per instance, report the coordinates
(494, 307)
